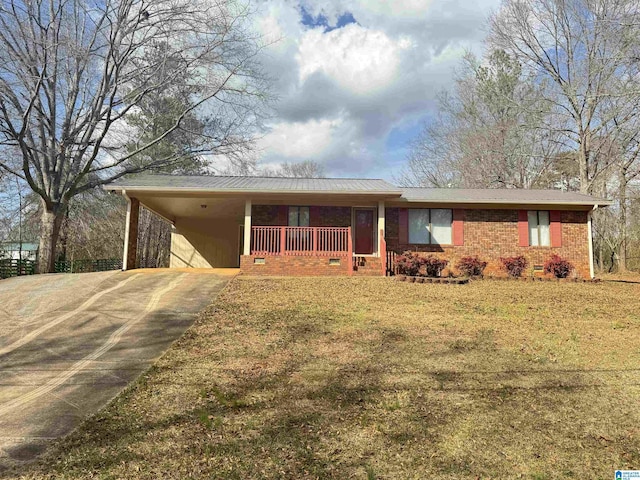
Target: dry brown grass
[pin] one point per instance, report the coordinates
(370, 378)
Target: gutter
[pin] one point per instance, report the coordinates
(508, 202)
(590, 235)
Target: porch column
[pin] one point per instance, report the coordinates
(247, 227)
(379, 236)
(130, 253)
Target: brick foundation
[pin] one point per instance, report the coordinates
(289, 265)
(492, 234)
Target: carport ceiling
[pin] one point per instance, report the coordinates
(195, 207)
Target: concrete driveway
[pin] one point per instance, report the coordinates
(70, 343)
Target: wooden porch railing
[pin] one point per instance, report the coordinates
(391, 263)
(311, 241)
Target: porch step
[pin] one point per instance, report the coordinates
(367, 266)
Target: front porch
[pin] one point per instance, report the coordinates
(324, 240)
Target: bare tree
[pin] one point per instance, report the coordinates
(623, 180)
(586, 51)
(93, 227)
(154, 238)
(305, 169)
(75, 76)
(487, 133)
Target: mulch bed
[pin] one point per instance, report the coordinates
(465, 280)
(449, 280)
(543, 279)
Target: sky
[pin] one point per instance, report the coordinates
(356, 80)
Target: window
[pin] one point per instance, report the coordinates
(298, 216)
(430, 226)
(539, 232)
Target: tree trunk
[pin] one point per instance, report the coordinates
(622, 197)
(64, 235)
(51, 221)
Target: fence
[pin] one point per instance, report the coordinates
(12, 267)
(15, 268)
(84, 266)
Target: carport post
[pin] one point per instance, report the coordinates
(130, 253)
(247, 227)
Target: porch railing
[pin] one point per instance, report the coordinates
(312, 241)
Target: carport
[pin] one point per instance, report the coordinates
(206, 229)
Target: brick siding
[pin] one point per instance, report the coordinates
(332, 217)
(291, 265)
(492, 234)
(277, 216)
(268, 216)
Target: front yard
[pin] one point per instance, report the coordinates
(371, 378)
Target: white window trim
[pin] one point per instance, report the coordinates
(538, 229)
(429, 228)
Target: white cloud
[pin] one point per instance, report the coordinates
(300, 140)
(358, 59)
(342, 92)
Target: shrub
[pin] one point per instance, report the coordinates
(433, 265)
(514, 265)
(409, 263)
(414, 264)
(471, 266)
(558, 266)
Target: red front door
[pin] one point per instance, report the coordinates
(364, 232)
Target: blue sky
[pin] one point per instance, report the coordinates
(357, 79)
(320, 21)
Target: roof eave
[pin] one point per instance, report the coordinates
(123, 188)
(386, 193)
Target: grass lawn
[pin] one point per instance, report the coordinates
(371, 378)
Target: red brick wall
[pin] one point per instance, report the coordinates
(277, 215)
(332, 217)
(269, 215)
(492, 234)
(293, 266)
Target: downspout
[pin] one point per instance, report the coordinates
(590, 233)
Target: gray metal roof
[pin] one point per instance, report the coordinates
(361, 186)
(499, 195)
(255, 184)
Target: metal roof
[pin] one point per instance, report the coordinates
(360, 186)
(499, 195)
(15, 246)
(255, 184)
